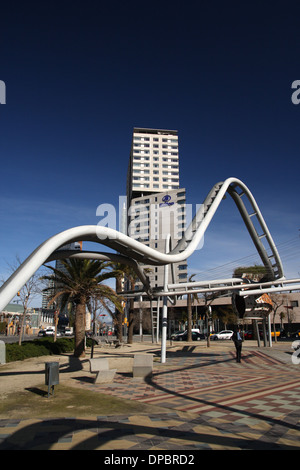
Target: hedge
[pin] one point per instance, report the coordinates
(38, 347)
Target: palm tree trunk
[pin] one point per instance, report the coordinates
(131, 322)
(119, 325)
(79, 350)
(119, 314)
(131, 314)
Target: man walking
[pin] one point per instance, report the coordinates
(237, 338)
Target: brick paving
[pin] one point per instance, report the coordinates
(209, 402)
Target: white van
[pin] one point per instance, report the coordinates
(50, 330)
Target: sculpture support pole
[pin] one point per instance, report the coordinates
(165, 308)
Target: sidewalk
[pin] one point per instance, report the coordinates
(201, 398)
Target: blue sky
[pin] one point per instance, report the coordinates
(80, 75)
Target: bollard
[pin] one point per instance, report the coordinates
(51, 375)
(2, 353)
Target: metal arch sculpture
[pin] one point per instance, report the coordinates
(131, 249)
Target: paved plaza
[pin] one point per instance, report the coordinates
(207, 401)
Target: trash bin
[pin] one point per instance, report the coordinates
(51, 375)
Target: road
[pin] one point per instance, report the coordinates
(136, 338)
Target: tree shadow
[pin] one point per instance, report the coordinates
(36, 436)
(75, 364)
(111, 428)
(150, 380)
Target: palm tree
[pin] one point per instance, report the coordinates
(77, 283)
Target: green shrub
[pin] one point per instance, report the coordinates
(38, 347)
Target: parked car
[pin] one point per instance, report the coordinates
(248, 334)
(224, 334)
(68, 331)
(42, 333)
(178, 333)
(277, 333)
(50, 331)
(173, 335)
(183, 336)
(295, 334)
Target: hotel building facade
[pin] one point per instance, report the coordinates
(156, 203)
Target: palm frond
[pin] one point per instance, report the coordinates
(81, 278)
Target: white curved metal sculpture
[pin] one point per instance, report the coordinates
(134, 250)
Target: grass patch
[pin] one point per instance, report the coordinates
(66, 402)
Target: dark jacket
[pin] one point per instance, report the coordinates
(235, 337)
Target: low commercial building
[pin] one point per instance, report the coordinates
(285, 305)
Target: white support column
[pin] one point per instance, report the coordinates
(257, 333)
(157, 319)
(164, 325)
(151, 312)
(269, 330)
(164, 321)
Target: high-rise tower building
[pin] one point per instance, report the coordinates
(154, 164)
(156, 203)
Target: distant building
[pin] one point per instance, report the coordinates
(60, 266)
(156, 203)
(154, 162)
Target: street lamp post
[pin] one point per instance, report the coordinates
(209, 321)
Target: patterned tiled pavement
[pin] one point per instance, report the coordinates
(210, 401)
